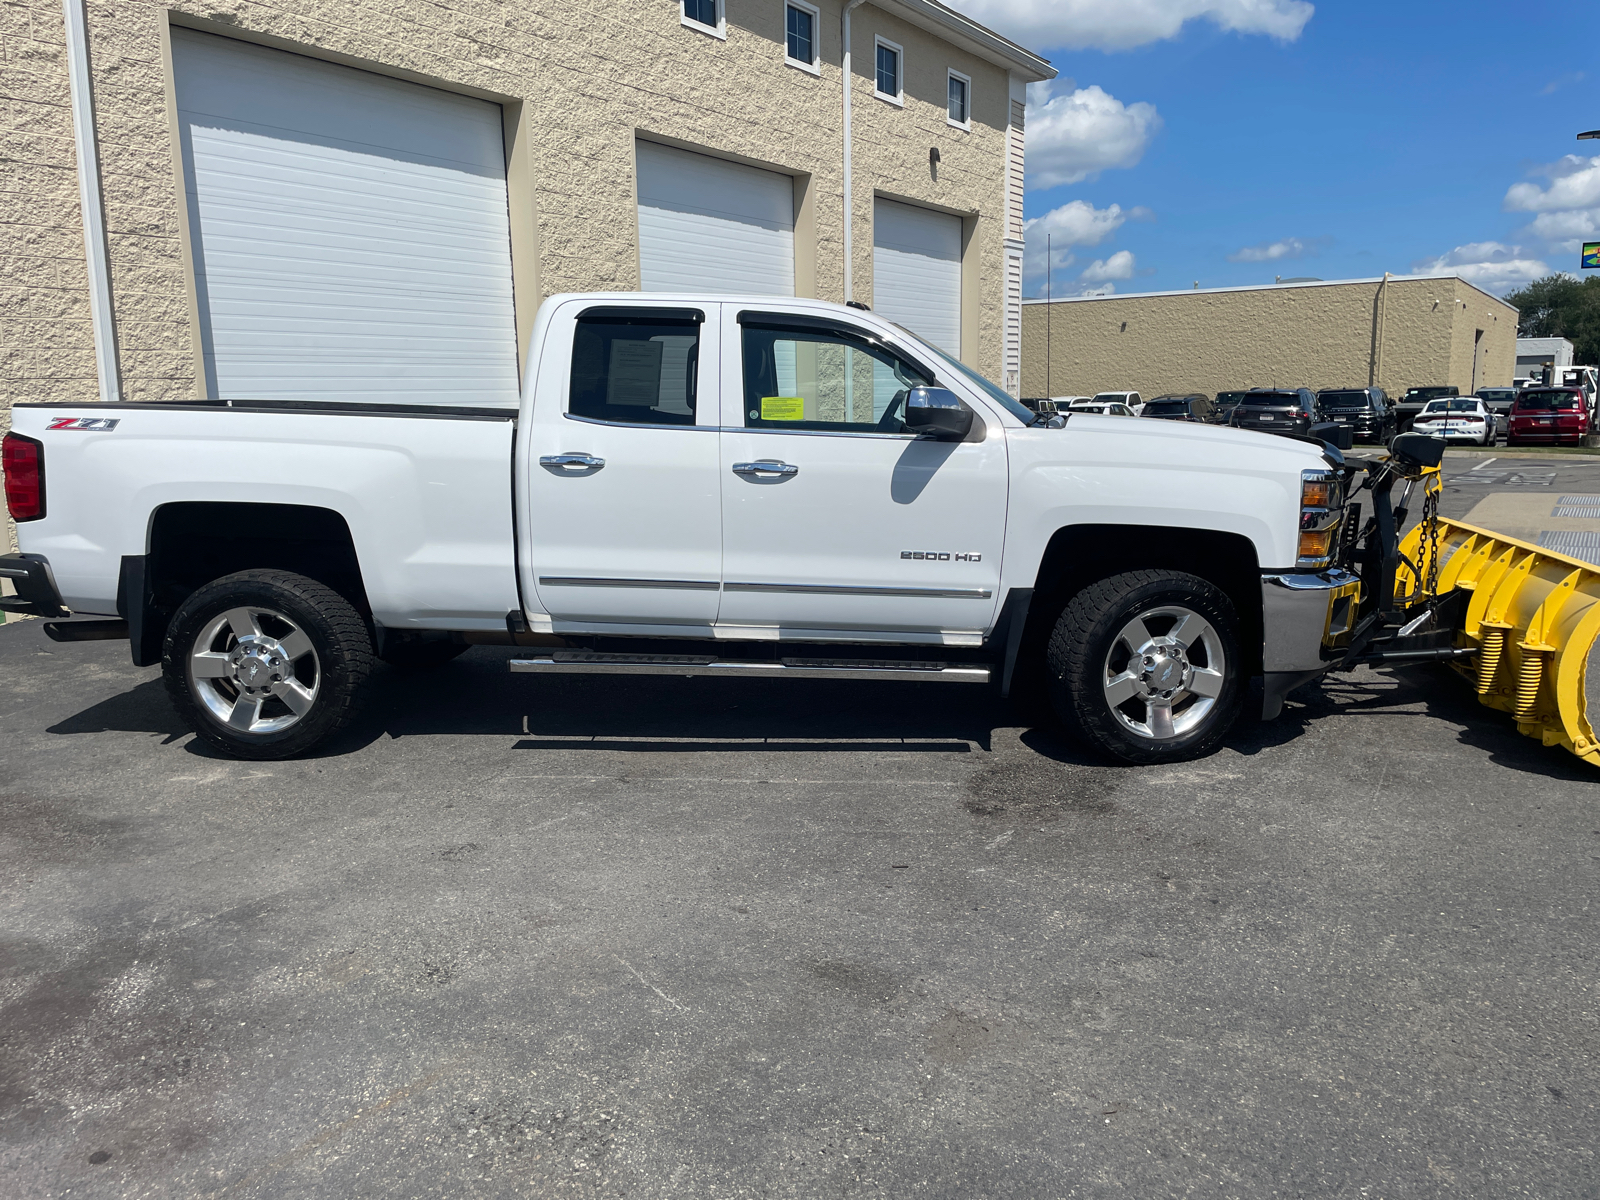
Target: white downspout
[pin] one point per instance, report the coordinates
(849, 192)
(94, 217)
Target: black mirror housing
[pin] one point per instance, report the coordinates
(1414, 450)
(1343, 437)
(937, 413)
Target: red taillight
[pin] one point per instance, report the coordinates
(22, 460)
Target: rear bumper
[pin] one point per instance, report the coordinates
(1302, 613)
(1573, 436)
(35, 585)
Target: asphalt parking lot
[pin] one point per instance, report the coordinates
(659, 938)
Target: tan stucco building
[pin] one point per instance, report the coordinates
(227, 134)
(1393, 333)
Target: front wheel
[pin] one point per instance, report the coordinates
(1146, 666)
(266, 664)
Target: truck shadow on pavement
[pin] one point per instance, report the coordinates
(476, 695)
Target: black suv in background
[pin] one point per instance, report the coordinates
(1225, 404)
(1190, 406)
(1416, 399)
(1275, 410)
(1366, 411)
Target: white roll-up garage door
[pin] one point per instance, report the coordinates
(708, 225)
(916, 271)
(349, 231)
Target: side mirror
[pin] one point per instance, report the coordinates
(1415, 450)
(937, 413)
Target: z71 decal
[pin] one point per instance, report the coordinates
(85, 424)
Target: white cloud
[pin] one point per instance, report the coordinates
(1276, 251)
(1076, 223)
(1493, 266)
(1123, 24)
(1567, 230)
(1076, 135)
(1574, 183)
(1119, 266)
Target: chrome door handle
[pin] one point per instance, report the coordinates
(570, 461)
(766, 466)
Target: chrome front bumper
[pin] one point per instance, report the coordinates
(1302, 615)
(1301, 612)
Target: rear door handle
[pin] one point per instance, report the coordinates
(569, 462)
(765, 466)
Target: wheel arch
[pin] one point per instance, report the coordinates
(1078, 555)
(190, 543)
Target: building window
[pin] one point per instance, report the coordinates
(706, 16)
(891, 64)
(960, 100)
(800, 22)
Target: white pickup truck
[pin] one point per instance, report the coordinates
(692, 485)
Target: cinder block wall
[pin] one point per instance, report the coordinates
(1416, 332)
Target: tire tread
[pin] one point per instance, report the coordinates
(1073, 659)
(346, 664)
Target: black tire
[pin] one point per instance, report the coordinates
(304, 641)
(1083, 659)
(414, 654)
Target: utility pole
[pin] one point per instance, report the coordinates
(1047, 274)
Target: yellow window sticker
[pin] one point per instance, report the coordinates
(783, 408)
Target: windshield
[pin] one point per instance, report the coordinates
(1166, 408)
(1450, 406)
(1548, 401)
(1270, 399)
(1428, 393)
(1344, 399)
(1497, 394)
(1229, 399)
(1089, 408)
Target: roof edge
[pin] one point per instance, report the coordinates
(1276, 287)
(985, 42)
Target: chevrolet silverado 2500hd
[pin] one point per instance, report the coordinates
(692, 485)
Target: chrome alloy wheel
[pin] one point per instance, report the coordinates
(1164, 672)
(255, 670)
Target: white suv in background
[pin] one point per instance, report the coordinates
(1131, 399)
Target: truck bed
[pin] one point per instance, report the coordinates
(424, 490)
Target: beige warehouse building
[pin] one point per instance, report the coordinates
(343, 199)
(1394, 333)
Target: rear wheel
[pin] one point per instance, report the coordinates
(266, 664)
(1146, 666)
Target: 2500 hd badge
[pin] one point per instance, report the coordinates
(940, 556)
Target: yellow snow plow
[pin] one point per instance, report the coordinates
(1520, 623)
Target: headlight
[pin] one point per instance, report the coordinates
(1321, 505)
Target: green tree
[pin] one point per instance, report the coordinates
(1561, 306)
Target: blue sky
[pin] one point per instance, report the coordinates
(1261, 138)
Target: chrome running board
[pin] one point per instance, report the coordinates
(582, 662)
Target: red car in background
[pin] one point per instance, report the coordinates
(1548, 415)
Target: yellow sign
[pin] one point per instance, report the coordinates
(783, 408)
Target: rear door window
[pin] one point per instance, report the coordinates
(636, 366)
